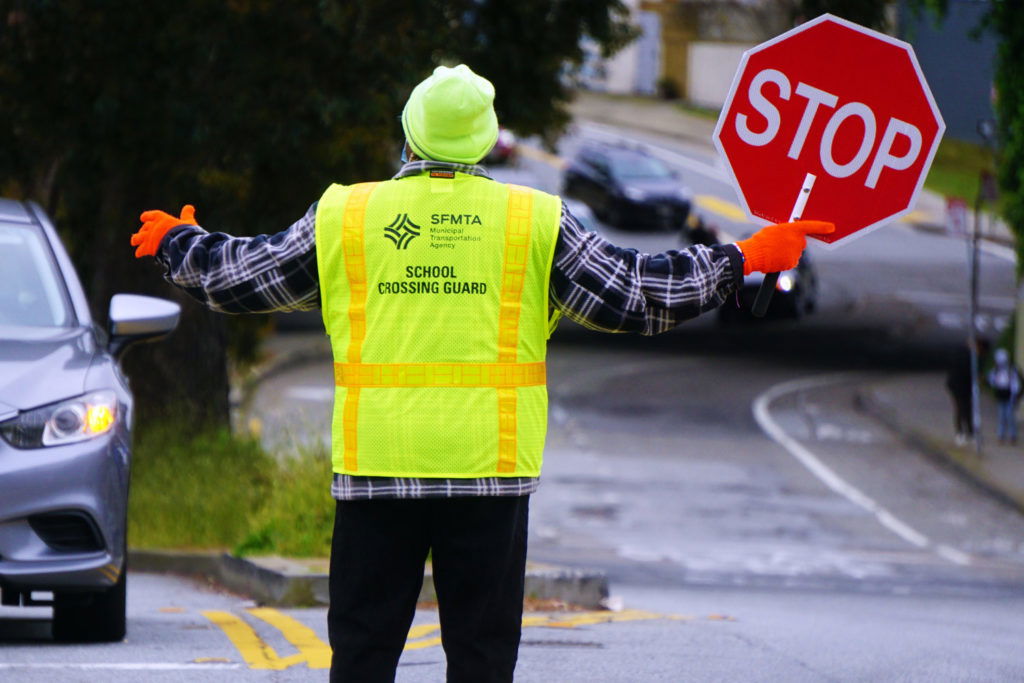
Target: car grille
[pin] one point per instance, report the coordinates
(67, 531)
(660, 212)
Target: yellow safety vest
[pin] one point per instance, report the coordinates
(434, 291)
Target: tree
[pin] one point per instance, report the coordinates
(864, 12)
(248, 109)
(1006, 19)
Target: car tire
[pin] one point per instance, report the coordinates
(791, 308)
(95, 618)
(569, 188)
(729, 314)
(613, 217)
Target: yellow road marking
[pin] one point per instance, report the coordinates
(256, 653)
(543, 156)
(916, 216)
(719, 206)
(316, 652)
(423, 629)
(420, 644)
(419, 632)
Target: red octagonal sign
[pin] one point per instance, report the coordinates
(836, 104)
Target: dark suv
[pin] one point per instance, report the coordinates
(628, 188)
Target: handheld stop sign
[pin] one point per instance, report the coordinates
(829, 121)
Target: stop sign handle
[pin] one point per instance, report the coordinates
(764, 294)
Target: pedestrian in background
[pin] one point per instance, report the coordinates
(698, 231)
(1006, 382)
(439, 289)
(960, 387)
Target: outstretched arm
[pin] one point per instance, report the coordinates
(229, 274)
(612, 289)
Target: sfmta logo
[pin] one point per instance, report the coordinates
(402, 231)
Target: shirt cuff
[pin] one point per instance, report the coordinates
(736, 260)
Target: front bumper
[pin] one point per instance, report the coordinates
(62, 515)
(654, 212)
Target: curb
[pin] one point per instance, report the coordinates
(244, 388)
(283, 582)
(964, 465)
(675, 123)
(644, 127)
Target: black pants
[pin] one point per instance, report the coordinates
(479, 558)
(963, 413)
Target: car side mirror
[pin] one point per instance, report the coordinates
(134, 318)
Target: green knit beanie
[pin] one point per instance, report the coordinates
(450, 116)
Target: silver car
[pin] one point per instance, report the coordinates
(65, 431)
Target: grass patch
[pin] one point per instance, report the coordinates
(957, 167)
(298, 515)
(220, 491)
(696, 110)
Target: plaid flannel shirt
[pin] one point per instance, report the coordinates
(593, 282)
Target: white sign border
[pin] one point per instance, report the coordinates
(907, 47)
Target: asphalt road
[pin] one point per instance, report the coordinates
(754, 524)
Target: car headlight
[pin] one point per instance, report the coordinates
(634, 194)
(785, 283)
(57, 424)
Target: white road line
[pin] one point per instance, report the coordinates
(119, 666)
(952, 554)
(890, 521)
(998, 250)
(305, 392)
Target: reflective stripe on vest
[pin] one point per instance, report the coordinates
(434, 293)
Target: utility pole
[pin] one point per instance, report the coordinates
(972, 324)
(986, 192)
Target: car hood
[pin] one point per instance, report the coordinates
(654, 187)
(42, 365)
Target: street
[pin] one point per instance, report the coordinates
(755, 524)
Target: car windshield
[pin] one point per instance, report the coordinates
(31, 292)
(638, 167)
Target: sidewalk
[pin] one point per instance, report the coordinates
(646, 114)
(665, 118)
(918, 408)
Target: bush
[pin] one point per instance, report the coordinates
(298, 516)
(219, 491)
(667, 88)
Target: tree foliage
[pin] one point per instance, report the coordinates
(1006, 19)
(248, 109)
(863, 12)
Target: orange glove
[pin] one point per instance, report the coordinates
(156, 224)
(778, 247)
